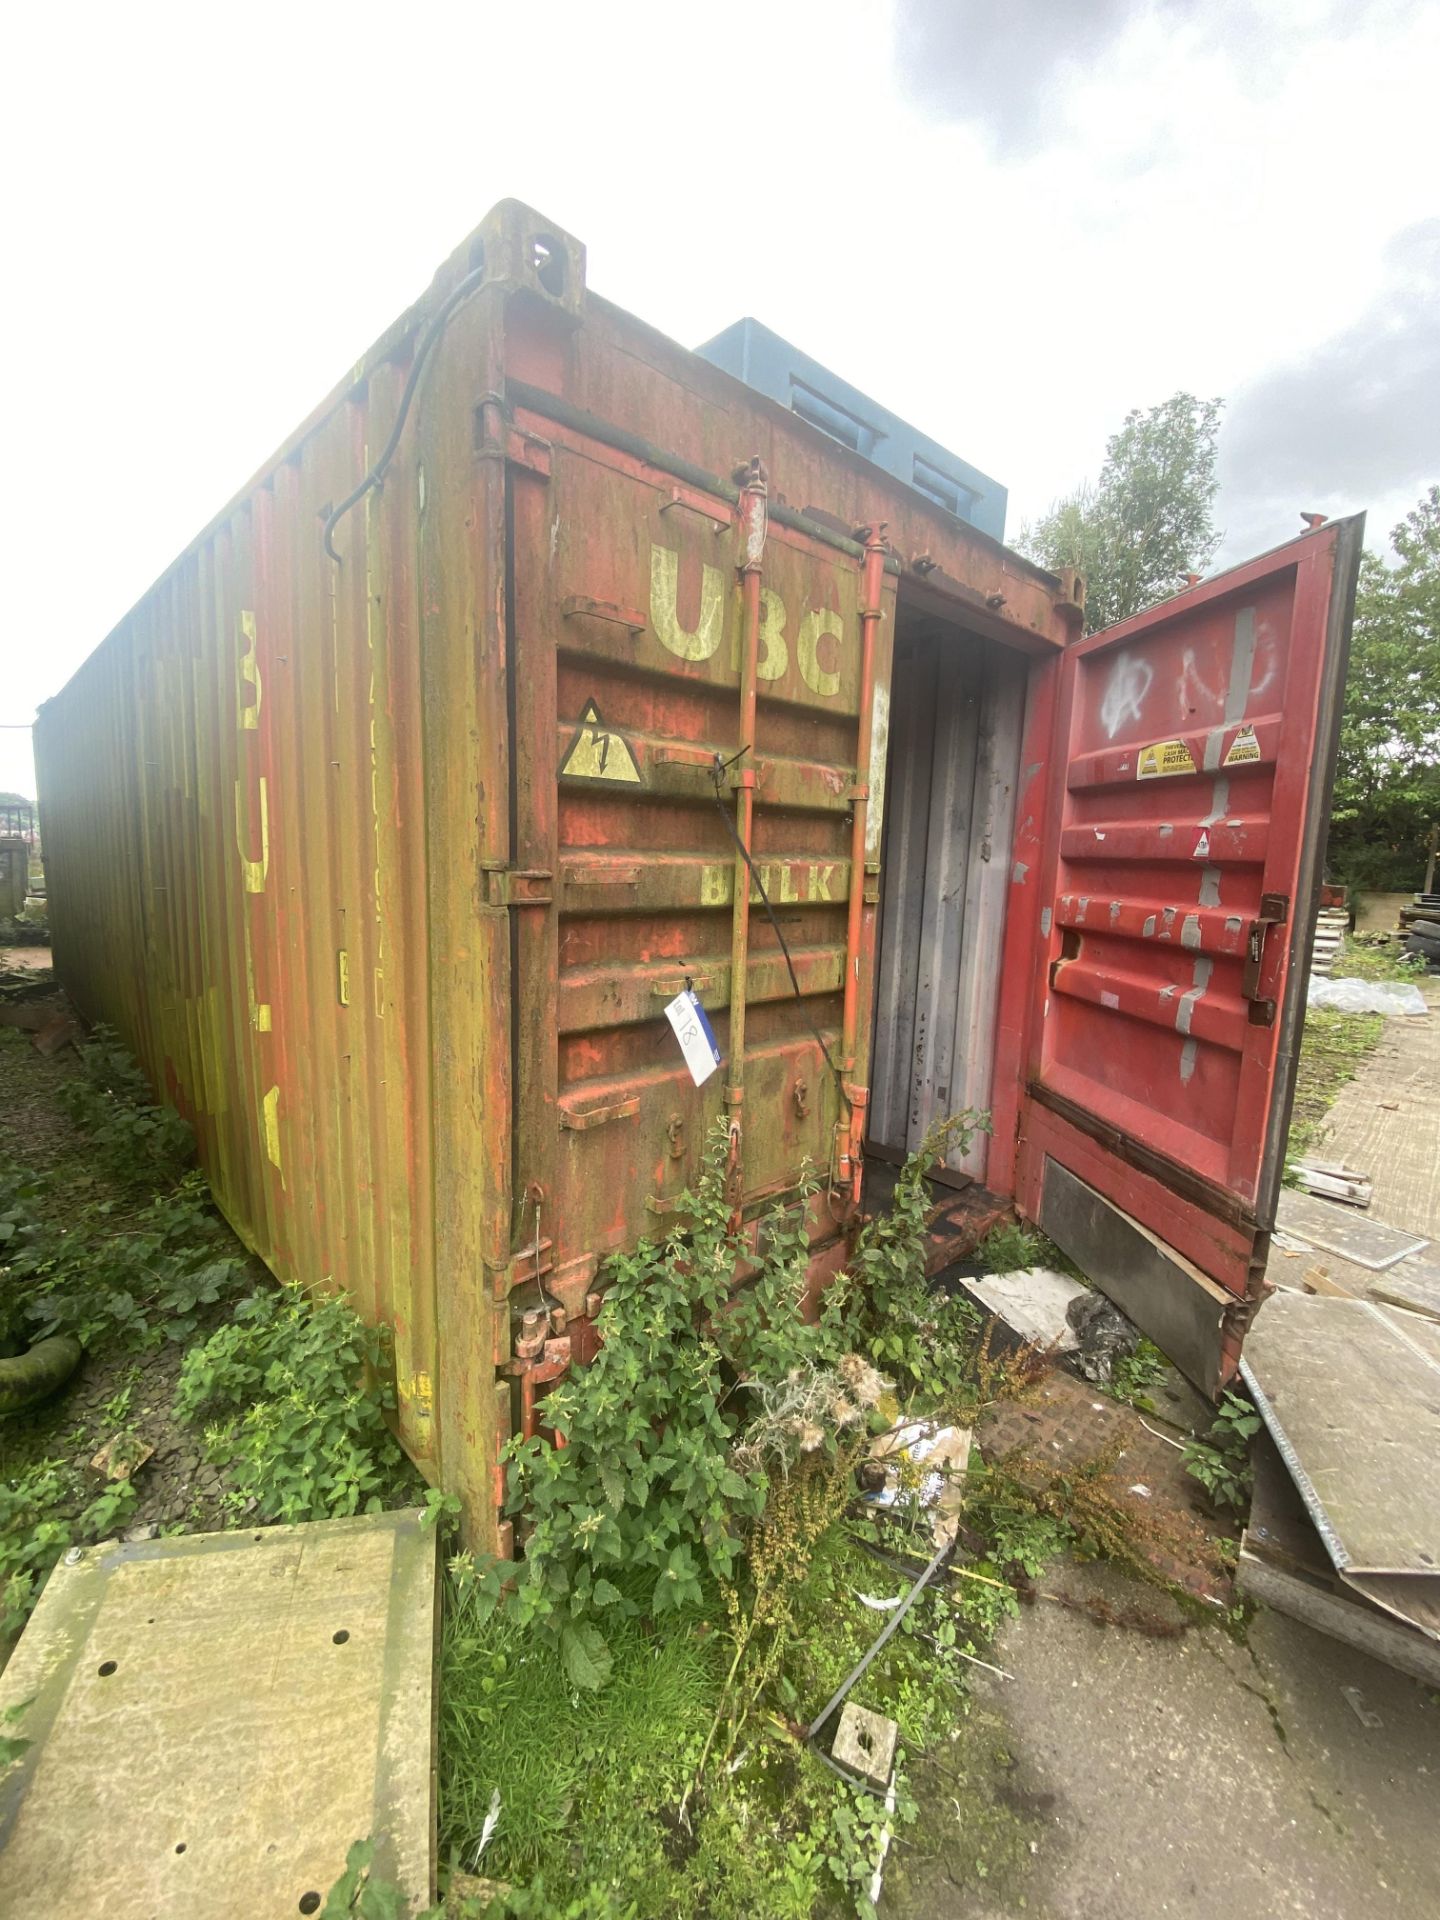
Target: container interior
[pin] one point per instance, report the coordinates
(957, 704)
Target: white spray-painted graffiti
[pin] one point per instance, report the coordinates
(1125, 692)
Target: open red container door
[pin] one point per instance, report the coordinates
(1179, 859)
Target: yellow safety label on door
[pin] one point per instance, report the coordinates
(1165, 756)
(597, 754)
(1243, 747)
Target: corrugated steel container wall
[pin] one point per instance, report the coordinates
(239, 792)
(311, 855)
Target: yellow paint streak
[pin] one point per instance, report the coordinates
(254, 871)
(247, 674)
(270, 1118)
(817, 624)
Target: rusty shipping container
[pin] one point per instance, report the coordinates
(389, 822)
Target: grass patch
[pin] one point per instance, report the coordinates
(1335, 1047)
(591, 1768)
(1376, 956)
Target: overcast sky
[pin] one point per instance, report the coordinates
(1010, 220)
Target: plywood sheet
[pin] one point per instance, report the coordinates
(215, 1719)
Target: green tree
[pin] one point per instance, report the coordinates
(1147, 521)
(1387, 783)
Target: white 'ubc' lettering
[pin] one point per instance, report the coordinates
(818, 625)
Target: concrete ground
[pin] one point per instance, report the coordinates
(1127, 1772)
(1208, 1779)
(1386, 1121)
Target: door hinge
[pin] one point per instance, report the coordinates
(515, 886)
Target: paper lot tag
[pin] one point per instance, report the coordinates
(695, 1034)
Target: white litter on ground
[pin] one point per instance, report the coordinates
(1032, 1302)
(1366, 996)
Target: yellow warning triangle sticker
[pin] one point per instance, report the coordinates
(597, 754)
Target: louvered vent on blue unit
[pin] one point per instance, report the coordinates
(773, 367)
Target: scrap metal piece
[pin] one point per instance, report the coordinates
(1351, 1395)
(214, 1720)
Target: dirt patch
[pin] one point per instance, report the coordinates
(176, 1488)
(24, 960)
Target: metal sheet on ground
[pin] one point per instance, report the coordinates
(1283, 1564)
(1351, 1395)
(215, 1719)
(1369, 1243)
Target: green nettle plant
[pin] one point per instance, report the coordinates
(143, 1143)
(133, 1286)
(920, 1338)
(645, 1484)
(708, 1383)
(1221, 1463)
(301, 1386)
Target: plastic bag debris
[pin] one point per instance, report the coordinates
(1366, 996)
(1104, 1335)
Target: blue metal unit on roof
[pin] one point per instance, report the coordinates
(752, 353)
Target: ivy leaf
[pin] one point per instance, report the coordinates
(586, 1657)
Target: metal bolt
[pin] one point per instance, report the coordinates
(74, 1556)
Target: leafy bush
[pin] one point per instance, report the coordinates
(142, 1143)
(303, 1388)
(1221, 1462)
(1133, 1374)
(645, 1480)
(132, 1286)
(1009, 1248)
(924, 1340)
(43, 1512)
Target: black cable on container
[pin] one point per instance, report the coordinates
(377, 473)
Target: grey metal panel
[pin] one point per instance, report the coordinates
(907, 807)
(1342, 1619)
(1167, 1297)
(997, 767)
(1338, 1229)
(954, 764)
(942, 918)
